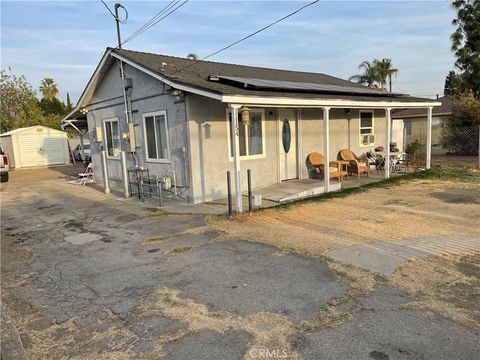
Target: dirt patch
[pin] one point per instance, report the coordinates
(405, 211)
(458, 196)
(448, 285)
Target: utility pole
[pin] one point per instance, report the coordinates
(117, 22)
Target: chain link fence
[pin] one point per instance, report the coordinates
(451, 146)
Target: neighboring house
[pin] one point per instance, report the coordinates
(36, 146)
(415, 121)
(181, 113)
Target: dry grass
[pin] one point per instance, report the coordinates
(163, 239)
(393, 213)
(448, 285)
(269, 331)
(179, 251)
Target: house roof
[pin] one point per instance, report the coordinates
(224, 82)
(19, 130)
(198, 73)
(444, 109)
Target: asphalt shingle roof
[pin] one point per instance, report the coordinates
(198, 73)
(444, 109)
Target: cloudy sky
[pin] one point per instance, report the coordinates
(65, 39)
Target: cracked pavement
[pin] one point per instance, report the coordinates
(119, 296)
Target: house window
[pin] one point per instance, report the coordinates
(156, 136)
(251, 136)
(408, 127)
(112, 137)
(367, 137)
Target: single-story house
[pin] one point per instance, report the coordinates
(36, 146)
(415, 121)
(199, 119)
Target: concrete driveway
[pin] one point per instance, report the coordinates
(85, 276)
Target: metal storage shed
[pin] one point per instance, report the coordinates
(36, 146)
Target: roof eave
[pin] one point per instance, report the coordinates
(319, 102)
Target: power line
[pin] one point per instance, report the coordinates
(156, 22)
(110, 11)
(248, 36)
(158, 14)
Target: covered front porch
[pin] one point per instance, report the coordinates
(329, 141)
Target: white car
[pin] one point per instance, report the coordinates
(77, 153)
(4, 165)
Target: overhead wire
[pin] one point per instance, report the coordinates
(158, 14)
(110, 11)
(248, 36)
(156, 21)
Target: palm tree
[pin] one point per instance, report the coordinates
(49, 89)
(192, 56)
(385, 72)
(368, 74)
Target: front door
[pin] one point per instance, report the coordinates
(288, 143)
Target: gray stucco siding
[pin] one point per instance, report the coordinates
(147, 95)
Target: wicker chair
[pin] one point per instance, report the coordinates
(317, 162)
(357, 165)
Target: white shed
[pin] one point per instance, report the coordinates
(36, 146)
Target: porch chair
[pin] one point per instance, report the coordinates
(87, 176)
(357, 165)
(317, 162)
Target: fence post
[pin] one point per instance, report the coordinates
(105, 172)
(229, 195)
(123, 158)
(249, 183)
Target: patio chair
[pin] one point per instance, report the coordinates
(87, 176)
(317, 162)
(357, 165)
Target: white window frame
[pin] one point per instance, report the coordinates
(166, 160)
(229, 140)
(111, 120)
(360, 135)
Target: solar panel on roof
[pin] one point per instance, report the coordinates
(299, 86)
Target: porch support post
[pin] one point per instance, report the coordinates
(236, 157)
(388, 136)
(429, 138)
(82, 147)
(326, 148)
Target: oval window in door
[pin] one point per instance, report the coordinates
(286, 135)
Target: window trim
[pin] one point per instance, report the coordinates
(111, 120)
(361, 144)
(229, 140)
(166, 160)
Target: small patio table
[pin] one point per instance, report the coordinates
(395, 156)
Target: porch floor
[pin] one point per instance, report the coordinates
(272, 195)
(294, 189)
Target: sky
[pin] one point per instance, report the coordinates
(65, 40)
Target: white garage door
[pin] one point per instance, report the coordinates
(31, 150)
(54, 151)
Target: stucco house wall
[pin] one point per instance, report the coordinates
(419, 129)
(147, 95)
(209, 143)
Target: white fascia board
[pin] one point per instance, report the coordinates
(81, 102)
(168, 81)
(340, 103)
